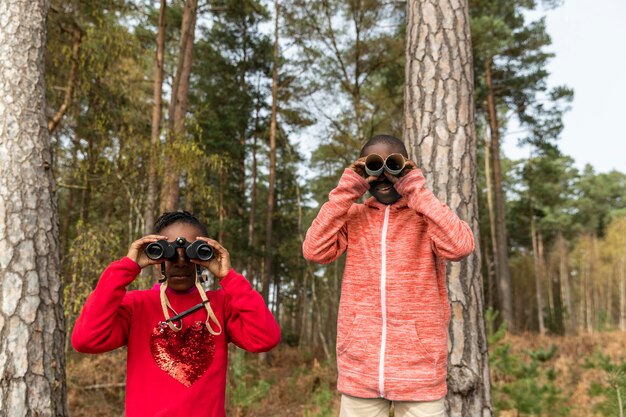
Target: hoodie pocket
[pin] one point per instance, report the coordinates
(358, 351)
(414, 351)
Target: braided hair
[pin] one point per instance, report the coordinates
(387, 140)
(172, 217)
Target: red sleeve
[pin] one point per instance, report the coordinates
(249, 323)
(451, 237)
(104, 322)
(327, 237)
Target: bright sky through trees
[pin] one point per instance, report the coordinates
(588, 39)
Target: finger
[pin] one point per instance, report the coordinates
(149, 239)
(213, 242)
(371, 178)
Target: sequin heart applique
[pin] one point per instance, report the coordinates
(185, 355)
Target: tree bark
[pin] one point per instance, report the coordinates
(155, 135)
(440, 133)
(503, 274)
(32, 326)
(178, 108)
(267, 271)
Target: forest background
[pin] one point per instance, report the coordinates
(247, 117)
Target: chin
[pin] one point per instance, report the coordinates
(386, 200)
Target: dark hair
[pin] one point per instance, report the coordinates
(387, 140)
(172, 217)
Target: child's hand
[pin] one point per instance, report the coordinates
(137, 253)
(358, 166)
(219, 264)
(408, 167)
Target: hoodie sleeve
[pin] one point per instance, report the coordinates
(327, 237)
(104, 322)
(451, 237)
(249, 323)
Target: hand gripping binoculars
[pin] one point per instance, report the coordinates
(393, 164)
(162, 249)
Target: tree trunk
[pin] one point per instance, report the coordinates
(492, 224)
(439, 131)
(267, 271)
(155, 140)
(566, 296)
(538, 294)
(71, 81)
(32, 326)
(178, 108)
(252, 214)
(503, 274)
(622, 293)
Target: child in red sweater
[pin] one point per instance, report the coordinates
(392, 329)
(175, 367)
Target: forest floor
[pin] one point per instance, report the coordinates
(532, 375)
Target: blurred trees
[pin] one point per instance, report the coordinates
(340, 79)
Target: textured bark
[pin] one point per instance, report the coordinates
(503, 275)
(267, 270)
(32, 327)
(178, 108)
(440, 133)
(157, 104)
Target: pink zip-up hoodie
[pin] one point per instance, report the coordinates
(392, 330)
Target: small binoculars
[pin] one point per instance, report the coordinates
(393, 164)
(162, 249)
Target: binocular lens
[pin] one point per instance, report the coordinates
(203, 252)
(154, 250)
(374, 164)
(394, 164)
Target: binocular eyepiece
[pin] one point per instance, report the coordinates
(393, 164)
(162, 249)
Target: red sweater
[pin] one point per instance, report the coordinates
(392, 329)
(173, 373)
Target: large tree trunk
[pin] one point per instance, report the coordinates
(155, 135)
(267, 270)
(178, 108)
(32, 326)
(503, 274)
(440, 132)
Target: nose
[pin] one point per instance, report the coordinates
(180, 257)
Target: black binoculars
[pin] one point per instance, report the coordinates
(162, 249)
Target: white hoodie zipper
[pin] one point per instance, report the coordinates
(383, 304)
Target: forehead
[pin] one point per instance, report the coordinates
(180, 229)
(383, 149)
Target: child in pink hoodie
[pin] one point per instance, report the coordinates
(175, 367)
(392, 330)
